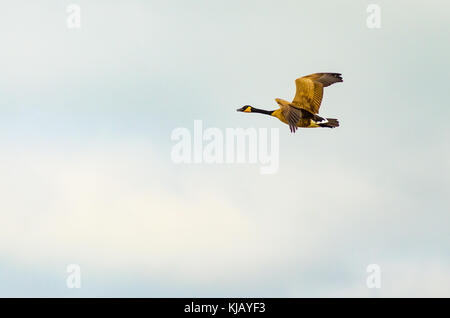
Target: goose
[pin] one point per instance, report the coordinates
(303, 110)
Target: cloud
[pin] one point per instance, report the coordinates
(95, 207)
(117, 207)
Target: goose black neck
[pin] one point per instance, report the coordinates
(262, 111)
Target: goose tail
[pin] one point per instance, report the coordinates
(330, 123)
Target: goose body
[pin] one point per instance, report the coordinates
(303, 110)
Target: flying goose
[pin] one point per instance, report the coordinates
(303, 110)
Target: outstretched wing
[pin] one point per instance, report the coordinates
(310, 90)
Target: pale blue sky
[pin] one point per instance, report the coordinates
(85, 125)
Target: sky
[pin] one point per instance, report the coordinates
(86, 117)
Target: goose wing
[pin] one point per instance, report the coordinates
(292, 114)
(310, 90)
